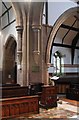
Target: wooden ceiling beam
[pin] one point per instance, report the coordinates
(74, 42)
(64, 45)
(69, 27)
(68, 31)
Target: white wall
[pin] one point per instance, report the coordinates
(66, 52)
(10, 30)
(0, 37)
(66, 59)
(56, 9)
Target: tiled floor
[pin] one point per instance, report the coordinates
(63, 110)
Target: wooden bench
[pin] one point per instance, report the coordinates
(18, 106)
(48, 97)
(13, 91)
(73, 92)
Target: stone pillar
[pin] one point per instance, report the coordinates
(36, 49)
(47, 74)
(19, 52)
(25, 48)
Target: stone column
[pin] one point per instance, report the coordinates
(47, 74)
(36, 49)
(19, 52)
(25, 48)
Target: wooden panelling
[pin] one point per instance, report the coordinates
(62, 88)
(48, 96)
(68, 65)
(71, 66)
(73, 93)
(64, 82)
(13, 107)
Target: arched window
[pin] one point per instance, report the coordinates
(57, 63)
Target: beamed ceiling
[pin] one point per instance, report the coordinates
(68, 31)
(68, 35)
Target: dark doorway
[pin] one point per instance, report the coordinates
(9, 64)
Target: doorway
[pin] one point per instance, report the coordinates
(9, 61)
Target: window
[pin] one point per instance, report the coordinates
(57, 63)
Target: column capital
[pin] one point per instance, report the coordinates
(19, 28)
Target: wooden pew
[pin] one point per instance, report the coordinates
(73, 92)
(48, 98)
(19, 106)
(13, 92)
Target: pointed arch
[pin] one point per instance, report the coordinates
(9, 59)
(56, 26)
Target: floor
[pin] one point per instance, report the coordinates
(66, 109)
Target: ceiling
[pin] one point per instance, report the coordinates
(68, 35)
(69, 31)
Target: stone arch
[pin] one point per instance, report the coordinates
(9, 60)
(56, 26)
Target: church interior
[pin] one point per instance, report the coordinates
(39, 59)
